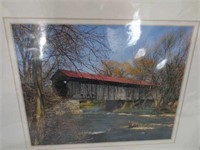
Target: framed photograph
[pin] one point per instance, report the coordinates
(92, 83)
(111, 75)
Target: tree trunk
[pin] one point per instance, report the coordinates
(157, 98)
(37, 76)
(37, 79)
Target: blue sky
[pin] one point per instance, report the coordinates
(149, 35)
(125, 42)
(118, 38)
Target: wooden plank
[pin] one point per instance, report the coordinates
(93, 91)
(83, 91)
(131, 90)
(123, 93)
(127, 93)
(116, 93)
(136, 93)
(111, 93)
(70, 88)
(87, 90)
(105, 89)
(97, 92)
(102, 92)
(77, 90)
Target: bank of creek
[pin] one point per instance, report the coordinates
(95, 124)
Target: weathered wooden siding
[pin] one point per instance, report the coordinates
(105, 92)
(100, 91)
(81, 88)
(84, 90)
(111, 93)
(74, 89)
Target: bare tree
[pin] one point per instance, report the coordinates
(164, 65)
(65, 47)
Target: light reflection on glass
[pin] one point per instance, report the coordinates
(140, 53)
(42, 40)
(134, 30)
(161, 64)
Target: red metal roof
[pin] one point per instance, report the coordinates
(74, 74)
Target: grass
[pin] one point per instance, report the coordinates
(127, 108)
(89, 103)
(142, 111)
(134, 111)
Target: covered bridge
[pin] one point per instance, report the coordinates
(79, 85)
